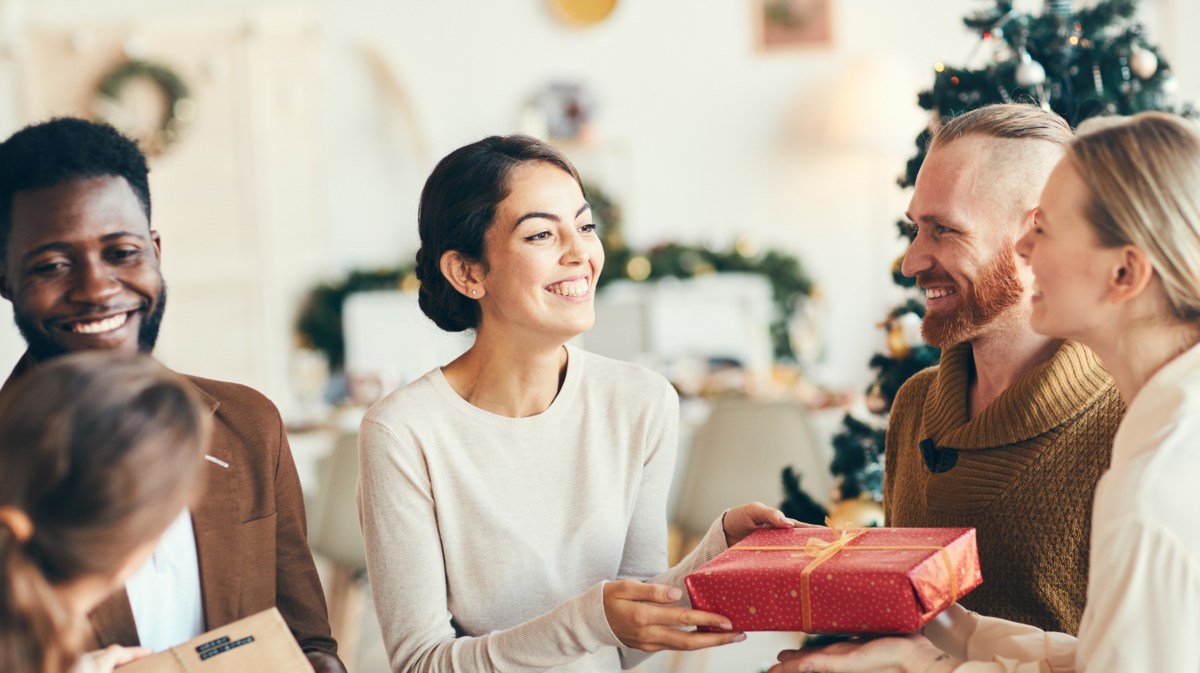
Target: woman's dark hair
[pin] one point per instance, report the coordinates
(458, 205)
(98, 454)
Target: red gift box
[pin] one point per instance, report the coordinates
(823, 580)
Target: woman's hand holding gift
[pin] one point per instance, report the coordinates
(744, 520)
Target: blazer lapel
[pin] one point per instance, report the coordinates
(112, 621)
(218, 554)
(23, 365)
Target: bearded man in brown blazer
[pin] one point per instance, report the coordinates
(80, 264)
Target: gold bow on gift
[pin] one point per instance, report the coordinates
(823, 550)
(826, 549)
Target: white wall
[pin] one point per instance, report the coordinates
(719, 140)
(710, 138)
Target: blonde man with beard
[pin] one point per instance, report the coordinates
(1011, 431)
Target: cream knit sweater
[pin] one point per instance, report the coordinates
(1024, 474)
(489, 538)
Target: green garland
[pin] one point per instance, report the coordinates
(790, 284)
(320, 321)
(179, 102)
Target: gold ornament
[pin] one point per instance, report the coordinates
(584, 12)
(897, 344)
(876, 403)
(746, 246)
(857, 513)
(638, 268)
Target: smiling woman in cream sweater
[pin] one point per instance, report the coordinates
(514, 501)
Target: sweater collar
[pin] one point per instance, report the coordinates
(1046, 397)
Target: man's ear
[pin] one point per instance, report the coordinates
(154, 238)
(463, 273)
(1130, 275)
(4, 291)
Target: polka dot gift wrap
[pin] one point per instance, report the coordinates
(822, 580)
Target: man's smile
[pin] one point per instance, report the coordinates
(97, 326)
(93, 325)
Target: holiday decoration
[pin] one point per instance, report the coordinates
(903, 332)
(1086, 52)
(876, 402)
(798, 504)
(790, 283)
(857, 513)
(1080, 61)
(1143, 63)
(858, 459)
(156, 135)
(583, 12)
(1029, 72)
(826, 580)
(320, 322)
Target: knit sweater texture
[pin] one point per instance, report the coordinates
(1024, 476)
(489, 538)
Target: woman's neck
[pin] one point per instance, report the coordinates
(1136, 351)
(508, 378)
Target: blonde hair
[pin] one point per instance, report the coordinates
(1021, 145)
(1143, 179)
(1008, 121)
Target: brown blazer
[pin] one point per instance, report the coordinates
(249, 523)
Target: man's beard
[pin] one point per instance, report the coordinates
(996, 289)
(43, 346)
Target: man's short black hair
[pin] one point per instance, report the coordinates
(62, 150)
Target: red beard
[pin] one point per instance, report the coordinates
(994, 291)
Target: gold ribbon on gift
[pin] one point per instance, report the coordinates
(823, 550)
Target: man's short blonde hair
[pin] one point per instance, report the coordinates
(1009, 121)
(1019, 147)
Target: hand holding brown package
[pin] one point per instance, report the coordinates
(260, 642)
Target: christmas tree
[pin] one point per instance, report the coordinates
(1080, 62)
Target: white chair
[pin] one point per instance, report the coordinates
(391, 342)
(737, 456)
(333, 533)
(721, 315)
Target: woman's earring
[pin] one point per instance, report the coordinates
(474, 292)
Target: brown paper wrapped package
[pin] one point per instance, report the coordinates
(260, 642)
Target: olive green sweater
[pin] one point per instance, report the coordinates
(1022, 473)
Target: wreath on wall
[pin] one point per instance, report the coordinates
(154, 136)
(320, 321)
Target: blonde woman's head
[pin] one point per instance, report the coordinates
(1142, 176)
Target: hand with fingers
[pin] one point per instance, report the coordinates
(104, 661)
(642, 616)
(744, 520)
(904, 654)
